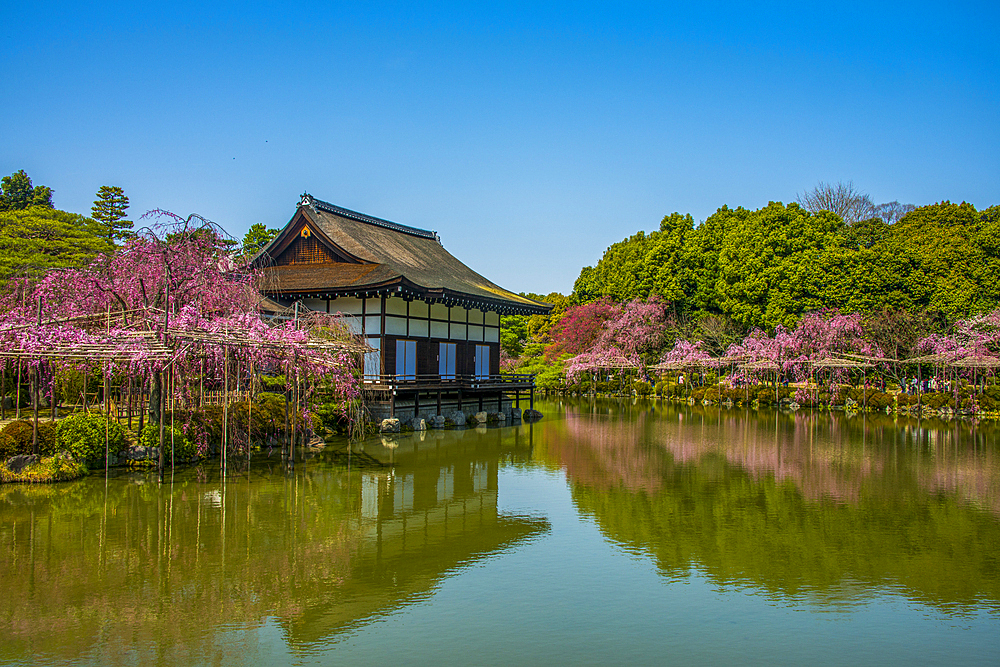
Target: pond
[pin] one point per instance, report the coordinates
(607, 533)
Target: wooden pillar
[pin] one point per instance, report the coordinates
(107, 423)
(439, 402)
(286, 445)
(142, 405)
(532, 399)
(459, 399)
(34, 406)
(38, 381)
(920, 386)
(17, 397)
(416, 403)
(161, 408)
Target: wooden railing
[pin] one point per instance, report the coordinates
(393, 382)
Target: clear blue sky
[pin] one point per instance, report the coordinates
(529, 136)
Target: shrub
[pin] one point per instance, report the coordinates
(7, 447)
(184, 449)
(83, 435)
(273, 384)
(698, 394)
(20, 434)
(879, 401)
(711, 394)
(764, 396)
(938, 400)
(203, 427)
(642, 388)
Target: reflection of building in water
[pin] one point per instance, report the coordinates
(394, 494)
(434, 511)
(318, 551)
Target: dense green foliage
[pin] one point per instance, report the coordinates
(85, 436)
(174, 438)
(767, 267)
(35, 240)
(17, 193)
(523, 339)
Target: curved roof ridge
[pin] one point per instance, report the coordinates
(321, 205)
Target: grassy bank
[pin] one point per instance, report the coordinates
(56, 468)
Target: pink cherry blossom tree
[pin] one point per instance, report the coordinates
(170, 298)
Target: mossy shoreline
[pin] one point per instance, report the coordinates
(57, 468)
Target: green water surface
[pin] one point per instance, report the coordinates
(607, 533)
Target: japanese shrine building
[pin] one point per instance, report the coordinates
(432, 322)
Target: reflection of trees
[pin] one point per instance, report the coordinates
(797, 504)
(149, 570)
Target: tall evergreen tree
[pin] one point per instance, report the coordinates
(109, 212)
(17, 194)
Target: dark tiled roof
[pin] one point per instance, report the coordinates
(315, 277)
(388, 253)
(361, 217)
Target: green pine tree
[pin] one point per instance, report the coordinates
(256, 238)
(109, 212)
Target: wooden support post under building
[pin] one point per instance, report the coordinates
(439, 402)
(531, 405)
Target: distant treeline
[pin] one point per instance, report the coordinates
(767, 267)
